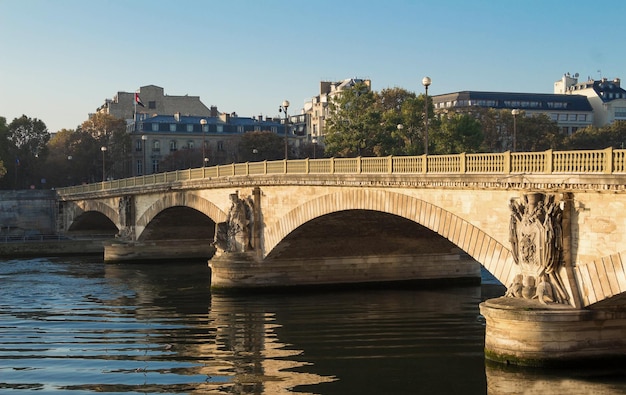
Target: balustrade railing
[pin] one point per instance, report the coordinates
(607, 161)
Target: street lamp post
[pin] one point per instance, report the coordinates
(314, 141)
(70, 171)
(515, 113)
(202, 126)
(426, 81)
(144, 138)
(284, 108)
(104, 150)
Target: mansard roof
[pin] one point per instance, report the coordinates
(510, 100)
(609, 90)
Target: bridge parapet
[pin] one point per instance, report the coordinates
(582, 162)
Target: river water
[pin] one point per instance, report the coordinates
(77, 326)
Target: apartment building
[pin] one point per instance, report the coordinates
(570, 112)
(607, 97)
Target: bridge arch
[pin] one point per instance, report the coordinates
(494, 256)
(81, 208)
(180, 199)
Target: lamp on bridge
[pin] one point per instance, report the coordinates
(104, 150)
(426, 81)
(284, 108)
(515, 113)
(202, 129)
(144, 138)
(314, 141)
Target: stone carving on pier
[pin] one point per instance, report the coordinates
(125, 212)
(234, 235)
(536, 240)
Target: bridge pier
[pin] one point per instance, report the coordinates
(527, 333)
(241, 270)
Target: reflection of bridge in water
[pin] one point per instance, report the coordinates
(339, 220)
(234, 345)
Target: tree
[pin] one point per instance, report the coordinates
(402, 120)
(354, 126)
(26, 145)
(183, 159)
(613, 135)
(410, 130)
(496, 126)
(110, 132)
(84, 157)
(258, 146)
(537, 133)
(4, 144)
(458, 133)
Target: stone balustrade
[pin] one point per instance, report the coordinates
(607, 161)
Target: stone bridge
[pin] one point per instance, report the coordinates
(324, 221)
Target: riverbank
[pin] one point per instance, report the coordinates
(38, 248)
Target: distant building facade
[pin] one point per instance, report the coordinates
(607, 97)
(155, 102)
(155, 138)
(167, 124)
(317, 110)
(570, 112)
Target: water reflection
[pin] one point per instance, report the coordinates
(78, 325)
(510, 380)
(233, 340)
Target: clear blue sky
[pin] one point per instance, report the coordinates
(60, 59)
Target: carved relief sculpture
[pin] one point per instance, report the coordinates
(125, 217)
(233, 235)
(536, 240)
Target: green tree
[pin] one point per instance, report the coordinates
(537, 133)
(496, 126)
(58, 169)
(258, 146)
(613, 135)
(84, 157)
(110, 132)
(458, 133)
(4, 145)
(401, 120)
(184, 159)
(354, 127)
(26, 146)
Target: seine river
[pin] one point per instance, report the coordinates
(77, 326)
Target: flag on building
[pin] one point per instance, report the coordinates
(138, 100)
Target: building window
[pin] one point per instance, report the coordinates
(239, 129)
(138, 145)
(190, 127)
(155, 127)
(275, 129)
(155, 166)
(139, 168)
(257, 128)
(190, 144)
(220, 128)
(220, 146)
(156, 146)
(620, 112)
(172, 127)
(173, 145)
(152, 105)
(582, 117)
(555, 117)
